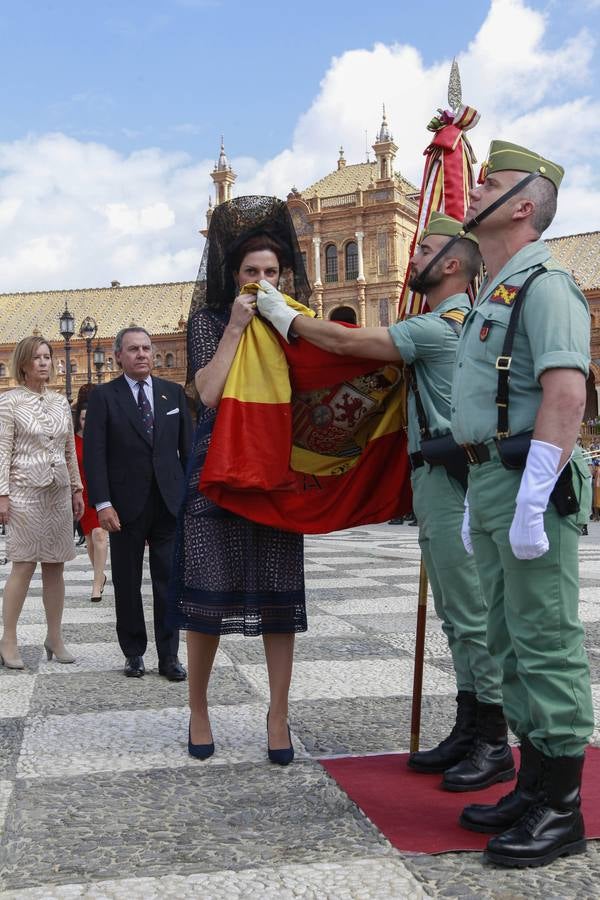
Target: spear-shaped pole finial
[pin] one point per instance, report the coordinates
(454, 87)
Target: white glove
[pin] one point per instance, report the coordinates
(527, 536)
(272, 306)
(465, 531)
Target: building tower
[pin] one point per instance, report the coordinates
(385, 151)
(223, 177)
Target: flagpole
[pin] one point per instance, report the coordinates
(415, 718)
(447, 177)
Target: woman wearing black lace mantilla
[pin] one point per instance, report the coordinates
(233, 575)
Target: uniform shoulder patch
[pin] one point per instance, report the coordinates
(505, 294)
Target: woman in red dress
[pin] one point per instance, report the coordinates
(96, 538)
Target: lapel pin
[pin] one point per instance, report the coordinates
(163, 397)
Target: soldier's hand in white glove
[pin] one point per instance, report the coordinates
(272, 306)
(465, 531)
(527, 536)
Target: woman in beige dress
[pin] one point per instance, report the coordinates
(40, 495)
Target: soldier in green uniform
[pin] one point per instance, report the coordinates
(522, 523)
(476, 753)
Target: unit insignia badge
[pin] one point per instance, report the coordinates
(505, 294)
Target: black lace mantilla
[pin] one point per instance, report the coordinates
(231, 224)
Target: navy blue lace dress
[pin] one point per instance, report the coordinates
(230, 575)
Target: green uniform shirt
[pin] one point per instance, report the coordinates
(430, 343)
(553, 333)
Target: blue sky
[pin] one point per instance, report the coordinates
(112, 112)
(172, 73)
(176, 73)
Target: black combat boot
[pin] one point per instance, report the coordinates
(553, 826)
(458, 743)
(491, 758)
(509, 809)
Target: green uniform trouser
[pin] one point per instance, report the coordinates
(438, 503)
(534, 631)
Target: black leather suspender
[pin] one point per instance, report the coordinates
(504, 362)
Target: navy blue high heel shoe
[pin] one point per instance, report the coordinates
(199, 751)
(280, 757)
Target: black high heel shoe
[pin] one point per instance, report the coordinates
(199, 751)
(280, 757)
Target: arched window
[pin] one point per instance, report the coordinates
(74, 367)
(2, 370)
(110, 363)
(169, 361)
(158, 361)
(343, 314)
(331, 263)
(351, 261)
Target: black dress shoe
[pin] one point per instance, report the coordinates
(172, 669)
(134, 666)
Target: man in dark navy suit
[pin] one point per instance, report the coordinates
(136, 442)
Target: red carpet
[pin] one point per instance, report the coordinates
(415, 814)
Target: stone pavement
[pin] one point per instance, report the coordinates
(99, 798)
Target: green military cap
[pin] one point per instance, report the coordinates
(503, 157)
(439, 223)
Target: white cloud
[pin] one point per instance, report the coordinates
(78, 214)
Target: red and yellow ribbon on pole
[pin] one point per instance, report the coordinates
(447, 179)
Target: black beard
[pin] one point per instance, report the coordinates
(416, 284)
(422, 285)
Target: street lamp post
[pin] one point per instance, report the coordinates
(67, 329)
(99, 361)
(88, 333)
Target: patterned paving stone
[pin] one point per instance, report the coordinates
(361, 725)
(360, 581)
(11, 734)
(386, 623)
(359, 646)
(6, 789)
(464, 875)
(153, 823)
(127, 740)
(100, 799)
(388, 879)
(436, 644)
(372, 606)
(321, 625)
(363, 678)
(85, 692)
(15, 694)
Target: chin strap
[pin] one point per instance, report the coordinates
(471, 224)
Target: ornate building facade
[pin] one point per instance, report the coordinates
(354, 226)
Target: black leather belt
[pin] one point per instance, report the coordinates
(477, 453)
(416, 460)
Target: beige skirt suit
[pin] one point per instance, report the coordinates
(38, 471)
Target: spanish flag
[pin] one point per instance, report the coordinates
(308, 441)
